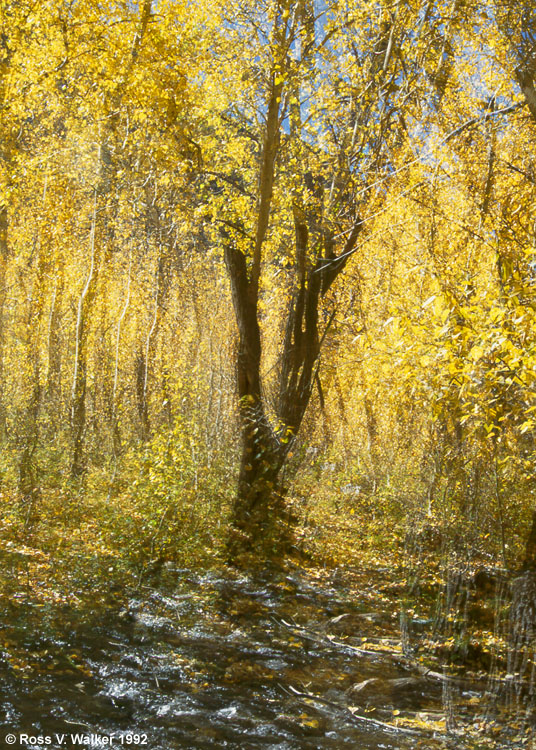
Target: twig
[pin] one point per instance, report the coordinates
(409, 664)
(430, 673)
(312, 636)
(355, 716)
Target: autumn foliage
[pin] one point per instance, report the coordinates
(287, 247)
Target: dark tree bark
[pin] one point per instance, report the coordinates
(529, 560)
(259, 519)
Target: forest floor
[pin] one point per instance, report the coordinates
(351, 641)
(299, 656)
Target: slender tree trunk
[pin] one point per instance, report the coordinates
(116, 434)
(78, 394)
(28, 465)
(146, 355)
(4, 255)
(53, 371)
(99, 250)
(145, 358)
(6, 148)
(29, 485)
(529, 559)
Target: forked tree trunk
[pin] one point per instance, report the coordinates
(259, 519)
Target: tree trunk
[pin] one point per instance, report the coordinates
(259, 464)
(78, 394)
(529, 560)
(6, 149)
(4, 253)
(146, 356)
(259, 519)
(258, 511)
(99, 250)
(54, 355)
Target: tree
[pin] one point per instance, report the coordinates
(314, 127)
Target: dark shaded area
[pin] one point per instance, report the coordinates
(215, 662)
